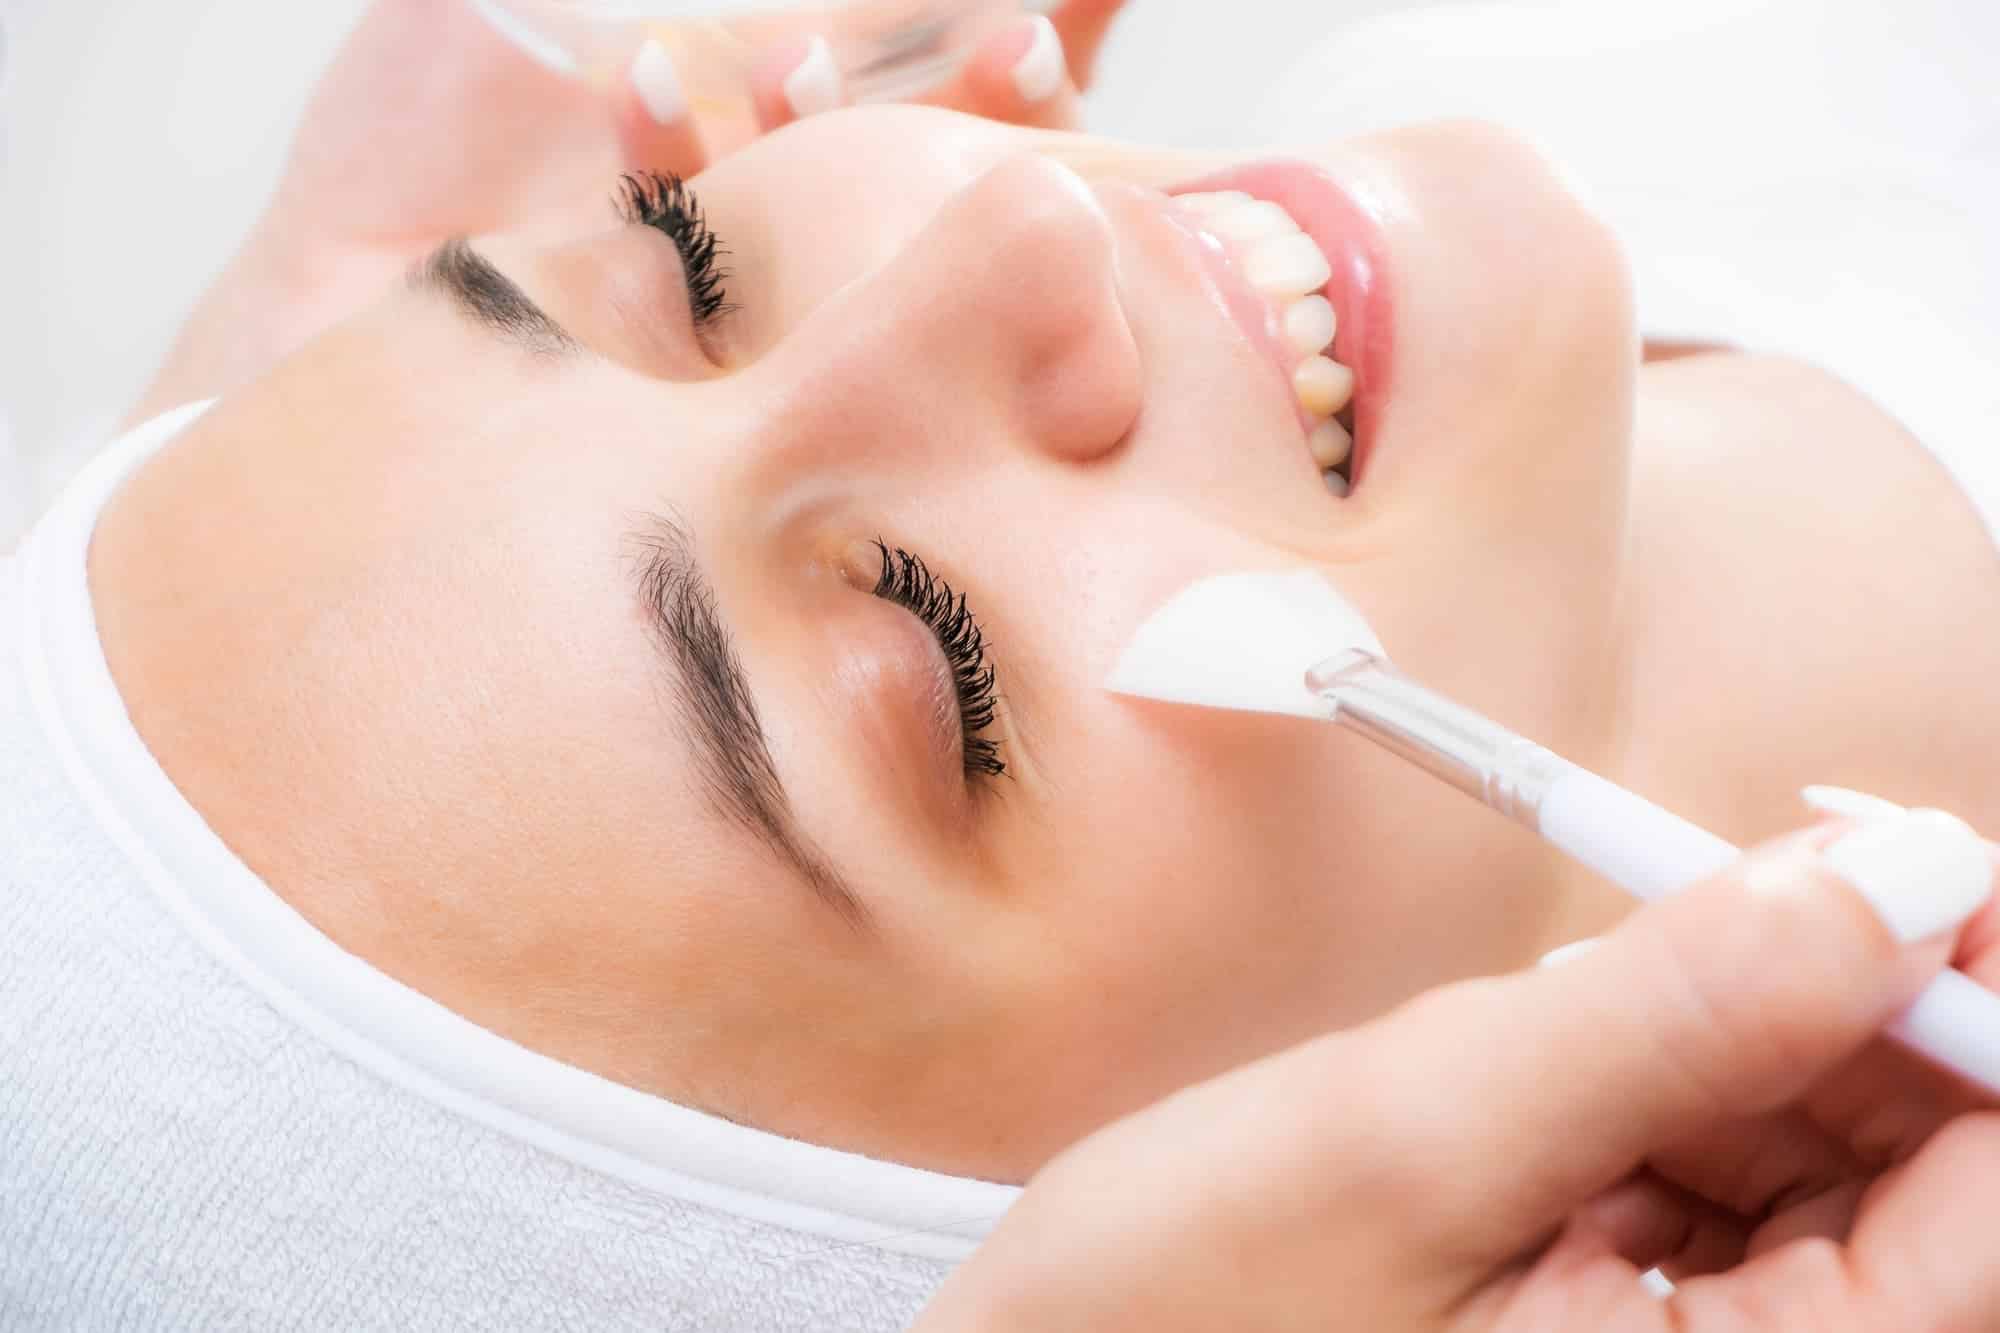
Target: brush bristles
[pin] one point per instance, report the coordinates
(1243, 641)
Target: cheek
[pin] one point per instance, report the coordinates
(1211, 888)
(1515, 340)
(1205, 892)
(1191, 856)
(1243, 880)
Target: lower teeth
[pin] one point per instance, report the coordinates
(1339, 478)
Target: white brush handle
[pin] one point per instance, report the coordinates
(1644, 849)
(1650, 852)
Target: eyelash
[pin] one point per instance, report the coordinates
(662, 201)
(909, 583)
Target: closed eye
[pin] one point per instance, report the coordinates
(909, 583)
(663, 202)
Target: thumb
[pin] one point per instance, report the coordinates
(1720, 1003)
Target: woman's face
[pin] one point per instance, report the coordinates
(594, 727)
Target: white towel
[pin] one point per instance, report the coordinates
(211, 1117)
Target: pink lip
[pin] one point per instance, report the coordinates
(1353, 242)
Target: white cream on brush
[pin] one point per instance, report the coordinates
(1186, 652)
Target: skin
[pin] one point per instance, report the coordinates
(408, 680)
(1698, 1091)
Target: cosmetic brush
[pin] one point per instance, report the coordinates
(1290, 643)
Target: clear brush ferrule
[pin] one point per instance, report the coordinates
(1503, 771)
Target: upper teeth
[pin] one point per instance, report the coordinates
(1251, 222)
(1215, 201)
(1308, 324)
(1287, 267)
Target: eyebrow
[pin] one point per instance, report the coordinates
(490, 298)
(713, 697)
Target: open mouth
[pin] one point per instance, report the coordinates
(1305, 255)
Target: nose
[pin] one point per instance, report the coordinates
(998, 325)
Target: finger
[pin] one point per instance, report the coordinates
(1082, 25)
(1850, 1103)
(1017, 75)
(1978, 953)
(1723, 1002)
(1807, 1275)
(1924, 1236)
(1827, 1216)
(1753, 1166)
(1919, 1253)
(656, 128)
(794, 79)
(1651, 1223)
(1883, 1131)
(1979, 943)
(1750, 1166)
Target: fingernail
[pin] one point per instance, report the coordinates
(658, 86)
(1563, 953)
(1923, 872)
(814, 85)
(1038, 74)
(1848, 803)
